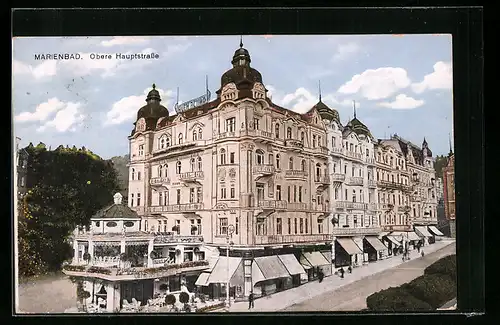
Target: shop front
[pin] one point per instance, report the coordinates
(422, 232)
(316, 262)
(375, 249)
(294, 268)
(140, 290)
(270, 275)
(215, 283)
(347, 253)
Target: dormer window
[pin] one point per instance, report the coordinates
(180, 138)
(288, 132)
(195, 135)
(200, 134)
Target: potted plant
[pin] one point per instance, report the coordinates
(184, 299)
(153, 254)
(86, 257)
(170, 300)
(163, 287)
(178, 251)
(175, 228)
(194, 228)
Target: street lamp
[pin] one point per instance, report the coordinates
(230, 230)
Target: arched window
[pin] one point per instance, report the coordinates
(138, 175)
(133, 173)
(354, 196)
(193, 164)
(303, 165)
(180, 138)
(199, 164)
(288, 132)
(270, 162)
(200, 134)
(302, 137)
(260, 157)
(290, 163)
(367, 153)
(178, 167)
(160, 171)
(167, 142)
(163, 142)
(222, 156)
(277, 130)
(318, 171)
(278, 162)
(195, 135)
(165, 170)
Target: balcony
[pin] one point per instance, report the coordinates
(224, 135)
(355, 231)
(296, 206)
(322, 179)
(133, 273)
(353, 155)
(321, 150)
(397, 228)
(372, 206)
(272, 204)
(139, 209)
(321, 208)
(404, 209)
(356, 181)
(263, 170)
(337, 178)
(177, 239)
(350, 205)
(158, 181)
(370, 161)
(189, 207)
(191, 176)
(337, 152)
(385, 206)
(294, 145)
(393, 185)
(301, 174)
(292, 239)
(181, 148)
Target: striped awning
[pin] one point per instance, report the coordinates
(350, 246)
(271, 267)
(435, 231)
(305, 263)
(375, 243)
(220, 272)
(327, 255)
(413, 236)
(202, 279)
(291, 264)
(316, 259)
(394, 240)
(422, 231)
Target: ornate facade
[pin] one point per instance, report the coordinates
(449, 192)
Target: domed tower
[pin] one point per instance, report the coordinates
(358, 127)
(241, 80)
(427, 155)
(326, 112)
(148, 115)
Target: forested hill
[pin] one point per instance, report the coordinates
(120, 165)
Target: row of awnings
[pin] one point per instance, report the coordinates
(264, 268)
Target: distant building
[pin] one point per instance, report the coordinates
(449, 192)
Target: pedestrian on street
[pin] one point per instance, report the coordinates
(422, 253)
(418, 247)
(349, 269)
(320, 276)
(341, 272)
(250, 300)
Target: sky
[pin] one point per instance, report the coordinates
(401, 84)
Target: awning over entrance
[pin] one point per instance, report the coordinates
(264, 213)
(316, 259)
(350, 246)
(291, 264)
(327, 255)
(257, 274)
(435, 231)
(219, 273)
(202, 279)
(394, 240)
(375, 243)
(422, 231)
(271, 267)
(305, 263)
(413, 236)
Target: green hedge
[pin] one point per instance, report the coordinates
(396, 299)
(447, 266)
(435, 289)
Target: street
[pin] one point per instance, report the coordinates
(353, 296)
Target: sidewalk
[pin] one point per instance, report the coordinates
(284, 299)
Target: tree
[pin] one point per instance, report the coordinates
(66, 187)
(439, 164)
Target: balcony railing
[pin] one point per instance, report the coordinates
(296, 173)
(177, 207)
(404, 208)
(354, 155)
(337, 151)
(296, 206)
(370, 161)
(191, 176)
(168, 239)
(292, 239)
(138, 209)
(159, 180)
(224, 135)
(355, 180)
(263, 169)
(322, 150)
(294, 144)
(397, 228)
(372, 183)
(385, 206)
(272, 204)
(372, 206)
(350, 205)
(321, 207)
(258, 133)
(323, 179)
(337, 177)
(354, 231)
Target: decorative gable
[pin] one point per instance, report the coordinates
(258, 91)
(229, 92)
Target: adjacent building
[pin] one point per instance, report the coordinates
(449, 192)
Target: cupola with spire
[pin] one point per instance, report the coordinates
(324, 111)
(357, 126)
(425, 149)
(241, 74)
(153, 109)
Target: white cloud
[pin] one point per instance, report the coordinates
(125, 40)
(45, 69)
(345, 51)
(126, 108)
(66, 119)
(173, 49)
(377, 83)
(403, 102)
(441, 78)
(42, 111)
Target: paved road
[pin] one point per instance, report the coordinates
(352, 297)
(48, 294)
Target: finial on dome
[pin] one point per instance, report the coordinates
(241, 41)
(154, 86)
(319, 89)
(354, 107)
